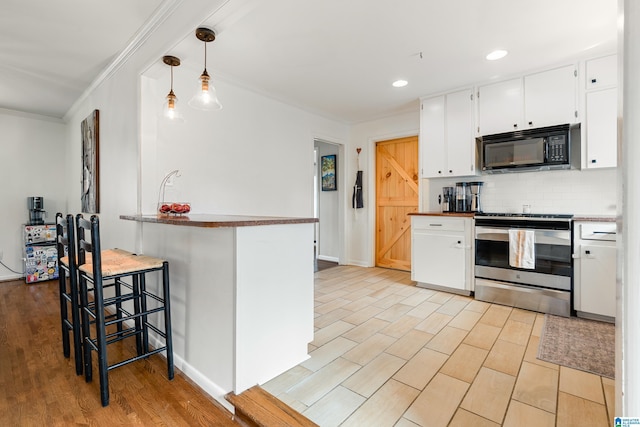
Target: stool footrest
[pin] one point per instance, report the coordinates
(133, 359)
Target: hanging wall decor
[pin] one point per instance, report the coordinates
(328, 169)
(357, 200)
(90, 164)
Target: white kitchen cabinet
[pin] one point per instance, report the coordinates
(601, 72)
(447, 143)
(595, 269)
(550, 97)
(441, 253)
(601, 113)
(500, 107)
(536, 100)
(432, 137)
(601, 129)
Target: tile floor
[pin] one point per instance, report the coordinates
(387, 353)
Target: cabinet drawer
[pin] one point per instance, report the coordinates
(598, 231)
(436, 223)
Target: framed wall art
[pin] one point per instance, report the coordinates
(90, 198)
(328, 169)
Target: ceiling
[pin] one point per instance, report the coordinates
(333, 57)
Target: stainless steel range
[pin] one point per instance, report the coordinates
(524, 260)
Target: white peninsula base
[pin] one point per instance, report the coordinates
(242, 295)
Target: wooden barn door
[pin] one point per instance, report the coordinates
(396, 196)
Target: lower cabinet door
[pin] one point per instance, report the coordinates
(598, 280)
(439, 259)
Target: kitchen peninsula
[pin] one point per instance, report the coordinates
(242, 294)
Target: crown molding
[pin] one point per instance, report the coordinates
(160, 15)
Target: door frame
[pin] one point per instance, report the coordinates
(372, 185)
(342, 193)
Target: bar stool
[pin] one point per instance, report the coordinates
(115, 268)
(65, 243)
(69, 289)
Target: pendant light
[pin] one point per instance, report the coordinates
(205, 97)
(170, 109)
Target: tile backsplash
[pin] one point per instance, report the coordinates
(562, 192)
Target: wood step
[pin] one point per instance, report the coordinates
(257, 407)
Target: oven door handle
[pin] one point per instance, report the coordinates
(493, 234)
(548, 237)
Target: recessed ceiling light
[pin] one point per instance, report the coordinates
(400, 83)
(496, 54)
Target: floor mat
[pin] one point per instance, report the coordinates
(587, 345)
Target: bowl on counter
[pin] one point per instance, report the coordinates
(174, 208)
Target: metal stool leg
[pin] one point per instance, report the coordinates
(75, 319)
(86, 330)
(167, 318)
(137, 310)
(103, 368)
(64, 315)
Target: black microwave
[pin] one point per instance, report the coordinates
(549, 148)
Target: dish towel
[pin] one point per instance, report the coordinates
(522, 248)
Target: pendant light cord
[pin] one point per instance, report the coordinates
(171, 78)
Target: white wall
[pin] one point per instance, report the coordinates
(32, 163)
(328, 206)
(627, 332)
(253, 157)
(360, 223)
(559, 192)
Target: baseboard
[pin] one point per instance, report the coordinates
(328, 258)
(359, 263)
(11, 277)
(208, 386)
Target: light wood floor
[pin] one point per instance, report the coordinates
(39, 387)
(387, 353)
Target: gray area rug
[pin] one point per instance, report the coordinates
(578, 343)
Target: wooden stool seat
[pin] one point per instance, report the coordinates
(106, 254)
(119, 264)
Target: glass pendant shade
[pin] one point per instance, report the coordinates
(170, 109)
(205, 98)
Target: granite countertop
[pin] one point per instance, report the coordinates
(217, 221)
(437, 213)
(580, 217)
(595, 218)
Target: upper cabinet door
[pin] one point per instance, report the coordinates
(601, 72)
(602, 128)
(550, 97)
(460, 139)
(500, 107)
(432, 137)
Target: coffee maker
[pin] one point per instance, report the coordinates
(448, 199)
(474, 189)
(463, 197)
(36, 210)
